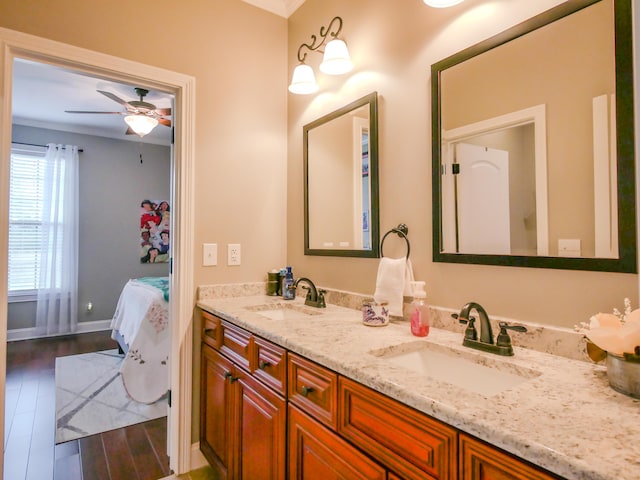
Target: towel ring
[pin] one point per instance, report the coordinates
(401, 230)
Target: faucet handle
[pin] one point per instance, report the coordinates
(321, 301)
(470, 332)
(503, 339)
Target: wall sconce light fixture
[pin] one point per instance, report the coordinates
(442, 3)
(336, 60)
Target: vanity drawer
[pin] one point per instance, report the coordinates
(211, 329)
(479, 461)
(408, 442)
(237, 345)
(271, 365)
(314, 389)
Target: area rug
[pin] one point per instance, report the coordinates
(90, 397)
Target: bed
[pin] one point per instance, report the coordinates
(140, 325)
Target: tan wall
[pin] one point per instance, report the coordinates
(393, 45)
(331, 167)
(580, 68)
(237, 54)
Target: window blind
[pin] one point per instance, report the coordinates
(25, 218)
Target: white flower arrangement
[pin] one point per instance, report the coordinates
(616, 332)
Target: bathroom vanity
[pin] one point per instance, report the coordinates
(333, 398)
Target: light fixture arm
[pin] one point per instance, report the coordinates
(324, 33)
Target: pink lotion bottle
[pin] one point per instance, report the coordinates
(419, 311)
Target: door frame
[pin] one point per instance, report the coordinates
(15, 44)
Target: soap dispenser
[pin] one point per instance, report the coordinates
(419, 311)
(288, 292)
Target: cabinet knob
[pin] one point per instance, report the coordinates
(306, 391)
(229, 376)
(263, 364)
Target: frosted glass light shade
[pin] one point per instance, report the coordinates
(303, 81)
(336, 59)
(141, 124)
(442, 3)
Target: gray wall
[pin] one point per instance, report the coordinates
(112, 185)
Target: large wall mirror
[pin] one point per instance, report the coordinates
(341, 181)
(533, 144)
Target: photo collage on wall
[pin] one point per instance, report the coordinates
(155, 231)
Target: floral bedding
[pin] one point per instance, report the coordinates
(142, 319)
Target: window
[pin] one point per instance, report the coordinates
(26, 193)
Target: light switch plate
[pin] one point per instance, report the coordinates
(209, 254)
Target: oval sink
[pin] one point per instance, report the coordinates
(477, 373)
(283, 311)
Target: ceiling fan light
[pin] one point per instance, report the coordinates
(303, 81)
(336, 60)
(442, 3)
(141, 124)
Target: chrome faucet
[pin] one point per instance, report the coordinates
(503, 341)
(315, 297)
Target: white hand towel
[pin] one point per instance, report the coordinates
(393, 281)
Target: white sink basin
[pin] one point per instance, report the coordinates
(284, 311)
(468, 370)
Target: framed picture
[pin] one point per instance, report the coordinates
(155, 231)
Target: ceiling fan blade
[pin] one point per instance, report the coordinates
(164, 121)
(163, 111)
(86, 111)
(115, 98)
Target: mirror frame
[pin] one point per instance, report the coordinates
(374, 217)
(623, 32)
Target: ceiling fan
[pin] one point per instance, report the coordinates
(141, 116)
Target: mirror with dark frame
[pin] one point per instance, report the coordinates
(341, 215)
(533, 144)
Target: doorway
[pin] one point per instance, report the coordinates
(17, 45)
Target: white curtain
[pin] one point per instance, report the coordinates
(57, 307)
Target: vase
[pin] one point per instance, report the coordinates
(624, 375)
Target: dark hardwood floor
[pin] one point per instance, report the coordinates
(136, 452)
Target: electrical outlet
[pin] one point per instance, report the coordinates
(233, 254)
(209, 254)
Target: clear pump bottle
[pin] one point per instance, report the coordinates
(419, 311)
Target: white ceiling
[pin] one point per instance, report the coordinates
(284, 8)
(42, 93)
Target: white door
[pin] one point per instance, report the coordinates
(483, 200)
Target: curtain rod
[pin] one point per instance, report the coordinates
(80, 150)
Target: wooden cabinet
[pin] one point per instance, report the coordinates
(242, 421)
(215, 409)
(479, 461)
(261, 427)
(408, 442)
(314, 389)
(267, 413)
(316, 453)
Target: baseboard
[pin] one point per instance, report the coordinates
(83, 327)
(197, 458)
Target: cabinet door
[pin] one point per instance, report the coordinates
(261, 431)
(408, 442)
(215, 409)
(316, 453)
(479, 461)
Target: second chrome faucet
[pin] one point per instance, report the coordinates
(502, 345)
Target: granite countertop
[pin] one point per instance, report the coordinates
(563, 417)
